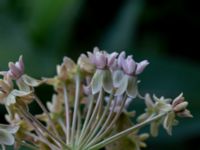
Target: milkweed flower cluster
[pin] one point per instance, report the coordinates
(88, 110)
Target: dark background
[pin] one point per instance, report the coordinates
(164, 32)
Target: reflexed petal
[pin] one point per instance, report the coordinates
(122, 86)
(20, 93)
(31, 81)
(9, 128)
(107, 81)
(10, 100)
(22, 85)
(169, 122)
(132, 90)
(154, 128)
(6, 138)
(148, 101)
(97, 81)
(117, 78)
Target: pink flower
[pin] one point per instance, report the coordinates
(129, 66)
(102, 59)
(16, 70)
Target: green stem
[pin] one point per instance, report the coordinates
(67, 115)
(96, 127)
(3, 147)
(94, 115)
(28, 145)
(101, 135)
(41, 126)
(48, 116)
(125, 132)
(91, 100)
(37, 129)
(76, 107)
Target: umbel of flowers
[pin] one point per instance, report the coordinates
(89, 105)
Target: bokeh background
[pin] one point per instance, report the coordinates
(164, 32)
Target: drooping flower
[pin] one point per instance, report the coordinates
(127, 81)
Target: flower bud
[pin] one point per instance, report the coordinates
(180, 106)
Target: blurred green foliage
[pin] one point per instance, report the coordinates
(46, 30)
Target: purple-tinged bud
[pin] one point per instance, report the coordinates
(129, 66)
(179, 106)
(16, 70)
(141, 66)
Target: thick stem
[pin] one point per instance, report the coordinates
(125, 132)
